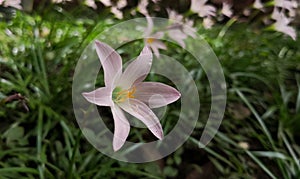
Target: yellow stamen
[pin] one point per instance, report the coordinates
(131, 93)
(150, 40)
(121, 95)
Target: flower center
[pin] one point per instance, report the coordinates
(150, 40)
(120, 95)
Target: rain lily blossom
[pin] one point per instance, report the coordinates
(142, 7)
(115, 6)
(152, 39)
(208, 22)
(173, 15)
(156, 44)
(117, 12)
(189, 29)
(181, 28)
(11, 3)
(126, 91)
(178, 36)
(91, 3)
(226, 9)
(203, 10)
(281, 24)
(258, 4)
(285, 4)
(178, 30)
(116, 9)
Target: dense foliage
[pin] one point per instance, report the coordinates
(40, 137)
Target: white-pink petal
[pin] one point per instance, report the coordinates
(91, 3)
(142, 112)
(156, 45)
(208, 10)
(282, 22)
(117, 12)
(178, 36)
(122, 127)
(286, 4)
(284, 28)
(208, 22)
(189, 29)
(203, 10)
(258, 4)
(137, 70)
(142, 7)
(101, 96)
(226, 9)
(149, 28)
(159, 44)
(121, 4)
(157, 35)
(110, 61)
(173, 15)
(156, 94)
(106, 2)
(13, 3)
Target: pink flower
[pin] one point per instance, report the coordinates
(115, 8)
(178, 36)
(12, 3)
(142, 7)
(189, 29)
(117, 12)
(180, 28)
(173, 15)
(152, 40)
(226, 9)
(286, 4)
(281, 24)
(258, 4)
(126, 91)
(121, 4)
(91, 3)
(208, 22)
(203, 10)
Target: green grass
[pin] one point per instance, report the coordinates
(37, 59)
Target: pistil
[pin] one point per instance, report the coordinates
(120, 95)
